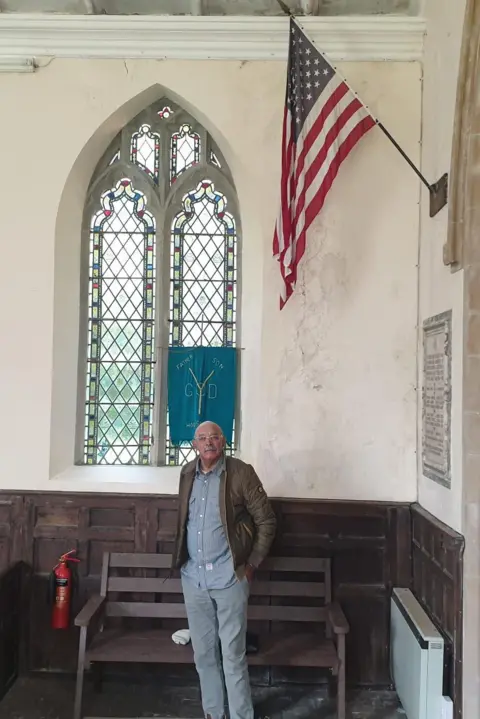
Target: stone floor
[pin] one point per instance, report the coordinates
(52, 698)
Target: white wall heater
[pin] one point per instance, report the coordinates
(416, 649)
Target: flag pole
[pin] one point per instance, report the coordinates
(438, 190)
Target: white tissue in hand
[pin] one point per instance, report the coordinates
(181, 637)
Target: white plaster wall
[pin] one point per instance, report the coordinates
(328, 399)
(339, 388)
(440, 289)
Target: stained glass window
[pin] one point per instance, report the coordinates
(214, 159)
(127, 317)
(185, 151)
(203, 279)
(145, 150)
(121, 330)
(165, 112)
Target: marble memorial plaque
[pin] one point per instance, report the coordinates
(436, 398)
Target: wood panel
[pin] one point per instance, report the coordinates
(369, 545)
(11, 603)
(438, 584)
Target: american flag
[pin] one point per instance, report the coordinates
(323, 121)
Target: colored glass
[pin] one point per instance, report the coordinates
(203, 280)
(121, 330)
(185, 151)
(145, 150)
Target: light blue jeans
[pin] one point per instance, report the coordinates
(213, 615)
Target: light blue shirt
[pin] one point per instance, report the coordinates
(210, 563)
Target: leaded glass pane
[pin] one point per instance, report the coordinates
(203, 280)
(121, 362)
(214, 159)
(121, 332)
(145, 150)
(185, 151)
(165, 113)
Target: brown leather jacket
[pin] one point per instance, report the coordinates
(245, 510)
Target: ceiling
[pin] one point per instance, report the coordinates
(211, 7)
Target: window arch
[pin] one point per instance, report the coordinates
(161, 265)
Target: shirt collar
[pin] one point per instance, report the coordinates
(218, 468)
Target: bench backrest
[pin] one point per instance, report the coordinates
(297, 588)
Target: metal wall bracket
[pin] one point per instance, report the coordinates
(438, 195)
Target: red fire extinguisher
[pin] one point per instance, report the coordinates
(61, 589)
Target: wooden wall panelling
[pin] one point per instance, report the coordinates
(369, 543)
(11, 584)
(438, 585)
(356, 535)
(361, 538)
(11, 530)
(164, 523)
(91, 525)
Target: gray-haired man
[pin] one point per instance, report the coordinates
(225, 529)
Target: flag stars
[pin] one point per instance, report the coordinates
(309, 74)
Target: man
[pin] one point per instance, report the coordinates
(225, 529)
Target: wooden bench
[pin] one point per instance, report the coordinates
(287, 590)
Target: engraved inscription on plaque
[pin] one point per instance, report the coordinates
(437, 359)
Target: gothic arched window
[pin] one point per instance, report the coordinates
(161, 228)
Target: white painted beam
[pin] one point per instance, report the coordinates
(16, 64)
(354, 38)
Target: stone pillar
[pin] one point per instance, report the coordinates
(462, 251)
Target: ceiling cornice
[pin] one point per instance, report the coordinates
(350, 38)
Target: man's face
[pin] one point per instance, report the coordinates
(209, 442)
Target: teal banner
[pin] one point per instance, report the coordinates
(201, 386)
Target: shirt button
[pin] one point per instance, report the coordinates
(201, 516)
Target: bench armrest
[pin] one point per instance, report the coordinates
(91, 611)
(337, 619)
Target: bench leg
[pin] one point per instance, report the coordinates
(341, 677)
(77, 710)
